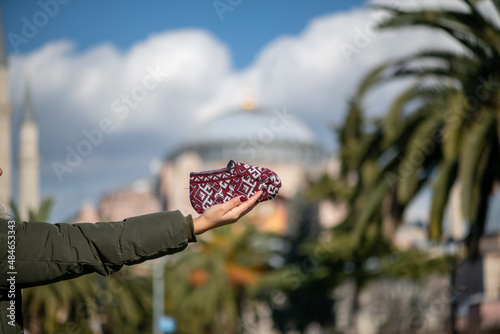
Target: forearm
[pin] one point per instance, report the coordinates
(48, 253)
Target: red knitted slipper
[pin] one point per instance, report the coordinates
(220, 185)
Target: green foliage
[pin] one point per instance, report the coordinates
(299, 292)
(433, 134)
(15, 210)
(440, 194)
(330, 188)
(477, 147)
(41, 215)
(209, 281)
(413, 265)
(442, 130)
(118, 303)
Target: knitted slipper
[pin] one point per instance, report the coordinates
(220, 185)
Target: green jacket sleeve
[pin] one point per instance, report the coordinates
(47, 253)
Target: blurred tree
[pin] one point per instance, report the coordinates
(441, 130)
(206, 285)
(360, 257)
(455, 129)
(297, 292)
(64, 305)
(40, 215)
(120, 303)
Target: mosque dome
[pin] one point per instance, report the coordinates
(259, 134)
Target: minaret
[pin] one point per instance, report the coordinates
(5, 125)
(29, 183)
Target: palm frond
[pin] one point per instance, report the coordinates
(496, 3)
(392, 123)
(15, 210)
(421, 147)
(476, 146)
(440, 192)
(370, 210)
(454, 118)
(43, 212)
(370, 81)
(462, 26)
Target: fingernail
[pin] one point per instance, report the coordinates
(243, 199)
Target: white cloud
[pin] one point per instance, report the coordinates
(316, 72)
(191, 63)
(311, 74)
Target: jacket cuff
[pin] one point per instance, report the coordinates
(190, 229)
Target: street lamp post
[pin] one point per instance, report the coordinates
(452, 250)
(158, 294)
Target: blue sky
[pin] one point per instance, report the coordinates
(246, 27)
(83, 55)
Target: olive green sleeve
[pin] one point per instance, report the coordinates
(47, 253)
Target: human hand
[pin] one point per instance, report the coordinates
(225, 213)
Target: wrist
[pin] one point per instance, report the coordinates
(199, 225)
(190, 229)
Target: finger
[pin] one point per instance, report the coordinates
(248, 209)
(239, 200)
(233, 203)
(253, 199)
(246, 205)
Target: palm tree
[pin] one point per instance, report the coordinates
(441, 131)
(120, 303)
(296, 291)
(124, 302)
(51, 308)
(206, 285)
(39, 215)
(351, 254)
(388, 164)
(431, 134)
(464, 128)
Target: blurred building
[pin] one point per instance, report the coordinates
(5, 124)
(28, 155)
(476, 290)
(137, 199)
(271, 138)
(411, 235)
(28, 159)
(478, 280)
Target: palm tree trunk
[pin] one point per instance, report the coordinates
(354, 310)
(391, 214)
